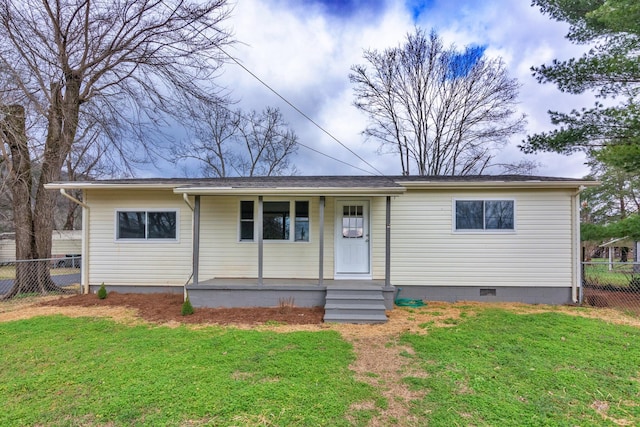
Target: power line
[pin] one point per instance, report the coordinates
(250, 119)
(303, 115)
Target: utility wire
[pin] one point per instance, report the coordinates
(303, 115)
(249, 119)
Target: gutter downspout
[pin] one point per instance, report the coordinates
(186, 200)
(84, 263)
(195, 235)
(576, 288)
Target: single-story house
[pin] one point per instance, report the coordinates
(334, 240)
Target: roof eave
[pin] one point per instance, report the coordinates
(435, 185)
(108, 186)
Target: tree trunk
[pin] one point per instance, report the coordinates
(31, 276)
(624, 254)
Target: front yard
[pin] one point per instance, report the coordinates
(442, 365)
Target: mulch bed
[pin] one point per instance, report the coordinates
(163, 308)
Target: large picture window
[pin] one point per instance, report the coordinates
(275, 220)
(484, 215)
(281, 220)
(146, 225)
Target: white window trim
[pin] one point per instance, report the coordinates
(484, 231)
(292, 219)
(146, 240)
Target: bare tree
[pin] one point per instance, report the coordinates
(268, 145)
(213, 128)
(442, 111)
(228, 142)
(122, 64)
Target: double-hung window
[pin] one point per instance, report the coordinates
(487, 215)
(146, 225)
(246, 220)
(281, 220)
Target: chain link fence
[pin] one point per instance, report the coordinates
(35, 275)
(612, 284)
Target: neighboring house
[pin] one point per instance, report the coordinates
(261, 241)
(64, 243)
(619, 243)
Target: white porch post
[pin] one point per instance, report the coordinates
(321, 243)
(260, 240)
(387, 244)
(196, 239)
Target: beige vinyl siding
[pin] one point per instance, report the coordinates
(223, 255)
(427, 251)
(378, 236)
(137, 262)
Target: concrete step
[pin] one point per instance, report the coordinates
(366, 309)
(354, 301)
(355, 318)
(355, 295)
(355, 305)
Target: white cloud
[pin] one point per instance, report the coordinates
(305, 55)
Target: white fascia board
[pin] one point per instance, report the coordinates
(437, 185)
(107, 186)
(290, 191)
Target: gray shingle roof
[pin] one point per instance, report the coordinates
(327, 181)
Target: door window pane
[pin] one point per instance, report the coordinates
(352, 222)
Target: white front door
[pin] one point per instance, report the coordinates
(352, 238)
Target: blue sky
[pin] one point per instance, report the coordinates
(305, 48)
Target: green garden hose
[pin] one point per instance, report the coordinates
(407, 302)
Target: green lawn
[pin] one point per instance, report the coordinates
(62, 371)
(490, 368)
(505, 369)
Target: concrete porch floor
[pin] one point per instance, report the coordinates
(246, 292)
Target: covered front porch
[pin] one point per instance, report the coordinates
(346, 301)
(225, 292)
(237, 261)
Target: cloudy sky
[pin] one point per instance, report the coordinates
(304, 49)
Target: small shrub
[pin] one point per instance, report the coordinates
(187, 308)
(285, 305)
(102, 292)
